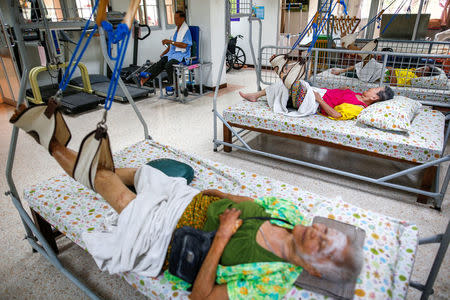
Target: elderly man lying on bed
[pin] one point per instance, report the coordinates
(371, 72)
(140, 239)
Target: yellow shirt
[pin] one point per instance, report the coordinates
(348, 111)
(404, 76)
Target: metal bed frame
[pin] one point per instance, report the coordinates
(437, 194)
(323, 59)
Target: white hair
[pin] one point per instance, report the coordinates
(344, 267)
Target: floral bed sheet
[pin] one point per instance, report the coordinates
(389, 248)
(423, 143)
(331, 81)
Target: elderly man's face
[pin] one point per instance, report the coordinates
(320, 243)
(178, 20)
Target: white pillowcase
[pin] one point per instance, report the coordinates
(395, 114)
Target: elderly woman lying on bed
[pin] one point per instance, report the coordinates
(147, 219)
(342, 104)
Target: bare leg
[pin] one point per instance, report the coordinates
(108, 184)
(253, 97)
(113, 190)
(126, 175)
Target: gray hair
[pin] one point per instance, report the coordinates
(385, 94)
(347, 269)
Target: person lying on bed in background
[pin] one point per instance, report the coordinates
(146, 220)
(333, 103)
(371, 72)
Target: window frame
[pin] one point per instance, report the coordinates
(174, 5)
(143, 7)
(169, 26)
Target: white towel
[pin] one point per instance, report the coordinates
(139, 241)
(278, 96)
(180, 36)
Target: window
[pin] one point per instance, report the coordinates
(170, 12)
(54, 11)
(31, 11)
(84, 8)
(148, 12)
(171, 7)
(25, 6)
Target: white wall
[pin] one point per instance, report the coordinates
(217, 38)
(269, 28)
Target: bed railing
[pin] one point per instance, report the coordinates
(421, 77)
(406, 46)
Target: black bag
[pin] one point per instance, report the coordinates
(189, 249)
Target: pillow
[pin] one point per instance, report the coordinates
(173, 168)
(431, 82)
(395, 114)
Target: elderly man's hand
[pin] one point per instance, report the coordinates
(214, 193)
(166, 42)
(229, 223)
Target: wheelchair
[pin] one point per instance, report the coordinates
(235, 55)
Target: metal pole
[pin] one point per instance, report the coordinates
(436, 264)
(252, 49)
(416, 25)
(373, 11)
(416, 168)
(335, 171)
(12, 149)
(122, 85)
(46, 250)
(438, 202)
(222, 62)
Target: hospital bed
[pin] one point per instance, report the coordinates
(431, 90)
(61, 205)
(423, 148)
(72, 209)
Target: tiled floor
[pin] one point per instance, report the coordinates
(27, 275)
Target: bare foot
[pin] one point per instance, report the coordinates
(17, 113)
(250, 97)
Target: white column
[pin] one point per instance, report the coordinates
(210, 17)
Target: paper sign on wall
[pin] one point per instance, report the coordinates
(258, 11)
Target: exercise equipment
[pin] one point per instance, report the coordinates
(76, 99)
(186, 80)
(317, 24)
(100, 85)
